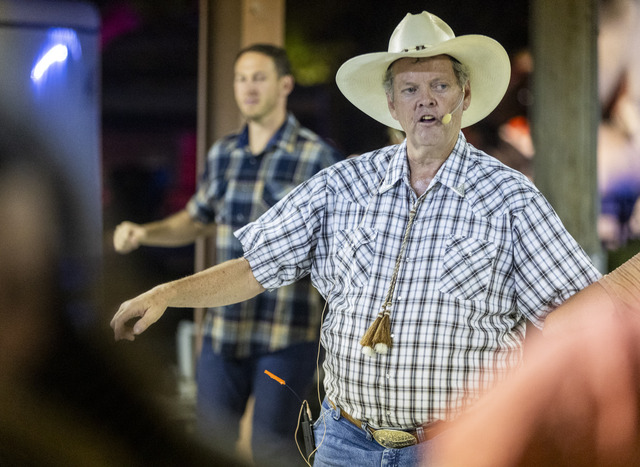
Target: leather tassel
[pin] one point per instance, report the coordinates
(377, 339)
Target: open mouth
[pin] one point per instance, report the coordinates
(427, 118)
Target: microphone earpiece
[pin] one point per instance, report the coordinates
(446, 118)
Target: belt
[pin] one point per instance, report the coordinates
(396, 439)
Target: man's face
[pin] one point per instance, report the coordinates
(424, 91)
(259, 92)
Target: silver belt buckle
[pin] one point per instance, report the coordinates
(394, 439)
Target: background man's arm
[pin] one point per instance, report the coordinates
(178, 229)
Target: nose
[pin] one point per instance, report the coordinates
(426, 98)
(246, 84)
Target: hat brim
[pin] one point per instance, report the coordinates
(360, 78)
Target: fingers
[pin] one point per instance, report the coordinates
(123, 321)
(136, 315)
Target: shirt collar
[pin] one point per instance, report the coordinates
(397, 168)
(284, 137)
(451, 174)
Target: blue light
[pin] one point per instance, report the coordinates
(56, 54)
(61, 42)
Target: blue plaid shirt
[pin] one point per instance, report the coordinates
(237, 187)
(485, 254)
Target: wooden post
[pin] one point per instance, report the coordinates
(566, 113)
(263, 21)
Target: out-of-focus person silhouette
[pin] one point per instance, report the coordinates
(66, 398)
(575, 401)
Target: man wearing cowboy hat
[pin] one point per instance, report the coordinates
(431, 254)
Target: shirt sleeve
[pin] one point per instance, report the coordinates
(280, 245)
(549, 265)
(199, 206)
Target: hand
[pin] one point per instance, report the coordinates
(136, 315)
(127, 237)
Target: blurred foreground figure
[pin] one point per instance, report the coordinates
(575, 400)
(65, 398)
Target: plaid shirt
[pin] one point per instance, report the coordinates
(486, 252)
(236, 188)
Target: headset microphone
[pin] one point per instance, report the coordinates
(446, 118)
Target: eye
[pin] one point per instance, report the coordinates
(441, 87)
(409, 90)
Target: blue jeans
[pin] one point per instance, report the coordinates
(224, 387)
(341, 443)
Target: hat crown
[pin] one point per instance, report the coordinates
(418, 31)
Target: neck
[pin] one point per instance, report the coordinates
(261, 131)
(423, 166)
(420, 176)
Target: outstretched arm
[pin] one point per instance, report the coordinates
(223, 284)
(176, 230)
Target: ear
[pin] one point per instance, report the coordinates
(467, 96)
(392, 106)
(287, 82)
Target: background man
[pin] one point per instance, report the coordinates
(246, 174)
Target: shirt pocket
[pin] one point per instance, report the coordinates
(354, 255)
(467, 268)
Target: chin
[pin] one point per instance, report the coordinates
(251, 116)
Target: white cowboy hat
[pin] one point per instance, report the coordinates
(426, 35)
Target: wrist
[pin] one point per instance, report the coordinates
(166, 293)
(142, 235)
